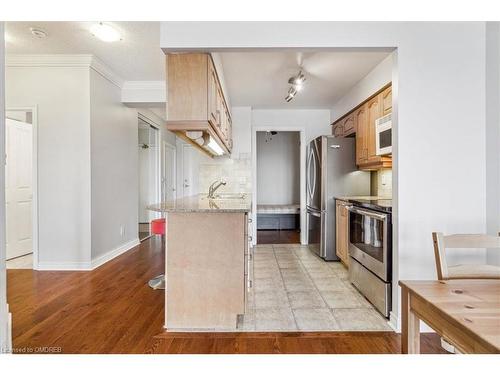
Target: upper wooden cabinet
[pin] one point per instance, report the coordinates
(196, 102)
(361, 135)
(361, 121)
(386, 101)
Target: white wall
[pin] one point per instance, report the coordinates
(316, 122)
(242, 132)
(114, 168)
(493, 134)
(367, 86)
(61, 95)
(5, 343)
(440, 74)
(278, 168)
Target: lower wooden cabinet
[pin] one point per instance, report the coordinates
(342, 231)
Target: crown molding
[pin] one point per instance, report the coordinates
(64, 60)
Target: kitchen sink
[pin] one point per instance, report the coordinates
(230, 196)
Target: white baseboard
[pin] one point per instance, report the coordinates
(5, 330)
(88, 266)
(394, 322)
(64, 266)
(114, 253)
(396, 326)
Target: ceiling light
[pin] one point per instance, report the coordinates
(297, 83)
(298, 80)
(291, 94)
(105, 32)
(38, 33)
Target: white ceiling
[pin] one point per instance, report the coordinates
(137, 57)
(260, 79)
(256, 79)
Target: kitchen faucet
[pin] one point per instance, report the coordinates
(215, 185)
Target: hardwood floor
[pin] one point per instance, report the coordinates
(278, 237)
(112, 310)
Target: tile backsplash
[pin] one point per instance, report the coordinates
(381, 183)
(236, 172)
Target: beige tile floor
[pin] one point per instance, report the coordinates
(294, 290)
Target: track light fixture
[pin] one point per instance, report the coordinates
(297, 83)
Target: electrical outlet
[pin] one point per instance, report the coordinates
(122, 230)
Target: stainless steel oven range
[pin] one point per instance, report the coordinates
(370, 250)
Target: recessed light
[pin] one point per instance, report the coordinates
(38, 33)
(105, 32)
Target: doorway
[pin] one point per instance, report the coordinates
(168, 172)
(149, 172)
(278, 186)
(21, 189)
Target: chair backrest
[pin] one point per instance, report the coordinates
(459, 241)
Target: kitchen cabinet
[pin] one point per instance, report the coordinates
(344, 127)
(386, 101)
(361, 135)
(361, 122)
(373, 112)
(342, 231)
(196, 105)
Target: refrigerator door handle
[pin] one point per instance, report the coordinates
(314, 213)
(315, 161)
(309, 182)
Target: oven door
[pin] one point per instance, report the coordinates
(369, 236)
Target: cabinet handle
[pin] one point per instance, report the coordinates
(250, 239)
(249, 220)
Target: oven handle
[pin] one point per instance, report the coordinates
(367, 213)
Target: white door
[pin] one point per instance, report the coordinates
(19, 188)
(168, 175)
(187, 170)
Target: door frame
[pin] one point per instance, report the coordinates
(156, 126)
(167, 145)
(34, 172)
(302, 133)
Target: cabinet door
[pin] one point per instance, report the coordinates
(361, 135)
(348, 124)
(374, 109)
(220, 111)
(338, 130)
(212, 93)
(345, 233)
(386, 101)
(229, 132)
(338, 229)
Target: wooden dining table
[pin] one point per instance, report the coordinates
(466, 313)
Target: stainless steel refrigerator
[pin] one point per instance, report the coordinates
(330, 172)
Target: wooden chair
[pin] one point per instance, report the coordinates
(464, 241)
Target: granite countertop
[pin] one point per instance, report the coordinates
(201, 203)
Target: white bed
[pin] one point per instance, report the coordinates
(278, 208)
(278, 216)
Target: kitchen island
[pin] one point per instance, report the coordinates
(206, 250)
